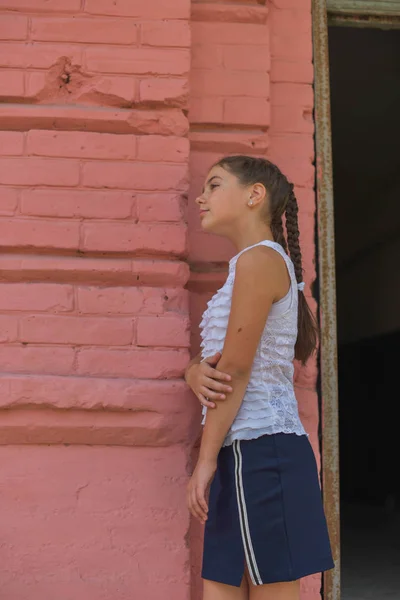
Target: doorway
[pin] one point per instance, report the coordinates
(365, 119)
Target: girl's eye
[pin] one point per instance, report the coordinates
(213, 185)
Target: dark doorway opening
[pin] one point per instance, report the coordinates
(365, 101)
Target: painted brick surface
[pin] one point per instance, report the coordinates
(98, 101)
(95, 420)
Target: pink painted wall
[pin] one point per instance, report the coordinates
(101, 279)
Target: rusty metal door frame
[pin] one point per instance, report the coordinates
(355, 13)
(327, 285)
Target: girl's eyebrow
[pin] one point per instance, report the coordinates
(210, 180)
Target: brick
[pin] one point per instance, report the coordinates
(110, 90)
(159, 207)
(8, 201)
(163, 331)
(101, 31)
(76, 330)
(39, 171)
(171, 92)
(8, 328)
(206, 110)
(308, 404)
(35, 82)
(291, 22)
(304, 4)
(306, 199)
(13, 27)
(307, 223)
(230, 83)
(11, 143)
(241, 141)
(37, 359)
(94, 270)
(247, 111)
(230, 33)
(165, 121)
(76, 144)
(36, 55)
(141, 364)
(292, 119)
(137, 176)
(209, 11)
(130, 300)
(165, 272)
(114, 88)
(33, 233)
(293, 94)
(41, 5)
(300, 172)
(292, 72)
(123, 237)
(11, 83)
(77, 203)
(36, 297)
(207, 56)
(160, 147)
(94, 394)
(246, 58)
(115, 300)
(297, 48)
(176, 300)
(156, 9)
(166, 33)
(291, 147)
(138, 60)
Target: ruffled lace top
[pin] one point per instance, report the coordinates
(269, 405)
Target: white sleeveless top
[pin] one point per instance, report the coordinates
(269, 405)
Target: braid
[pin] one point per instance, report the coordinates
(277, 232)
(307, 326)
(292, 228)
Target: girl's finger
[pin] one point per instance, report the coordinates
(207, 393)
(202, 500)
(205, 402)
(214, 374)
(215, 385)
(196, 508)
(201, 506)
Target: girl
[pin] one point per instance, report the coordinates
(264, 522)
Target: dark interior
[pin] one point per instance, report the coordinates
(365, 104)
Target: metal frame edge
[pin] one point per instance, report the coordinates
(327, 285)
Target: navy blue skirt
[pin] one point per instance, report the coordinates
(266, 512)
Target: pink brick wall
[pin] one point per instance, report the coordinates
(99, 100)
(251, 92)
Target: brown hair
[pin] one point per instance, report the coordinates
(250, 170)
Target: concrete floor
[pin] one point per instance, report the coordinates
(370, 554)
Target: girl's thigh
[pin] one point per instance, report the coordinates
(288, 590)
(213, 590)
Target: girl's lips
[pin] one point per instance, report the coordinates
(203, 212)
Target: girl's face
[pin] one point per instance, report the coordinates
(223, 202)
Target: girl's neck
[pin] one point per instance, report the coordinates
(250, 238)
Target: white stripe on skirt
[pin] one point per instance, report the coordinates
(244, 523)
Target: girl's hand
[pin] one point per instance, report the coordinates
(198, 487)
(205, 381)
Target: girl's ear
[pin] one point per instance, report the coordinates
(257, 194)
